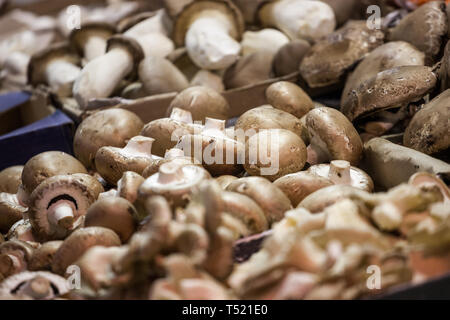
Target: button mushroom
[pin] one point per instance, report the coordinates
(263, 40)
(10, 211)
(14, 257)
(10, 179)
(42, 257)
(59, 203)
(332, 137)
(289, 97)
(128, 185)
(288, 58)
(111, 127)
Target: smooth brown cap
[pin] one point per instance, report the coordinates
(78, 37)
(289, 97)
(10, 179)
(288, 58)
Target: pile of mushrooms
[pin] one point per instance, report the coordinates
(345, 166)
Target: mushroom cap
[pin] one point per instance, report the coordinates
(75, 245)
(114, 213)
(154, 167)
(128, 185)
(38, 62)
(21, 230)
(78, 37)
(10, 179)
(180, 58)
(207, 78)
(279, 152)
(330, 58)
(249, 69)
(387, 56)
(111, 127)
(299, 185)
(10, 211)
(289, 97)
(246, 210)
(14, 256)
(334, 134)
(389, 89)
(46, 165)
(429, 129)
(268, 117)
(288, 58)
(175, 182)
(79, 189)
(269, 197)
(16, 285)
(193, 9)
(133, 47)
(425, 28)
(267, 39)
(42, 257)
(202, 102)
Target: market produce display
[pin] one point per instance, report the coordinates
(182, 185)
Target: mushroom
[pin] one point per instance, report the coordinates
(43, 166)
(111, 127)
(59, 203)
(332, 137)
(391, 88)
(167, 131)
(56, 66)
(22, 230)
(39, 285)
(10, 211)
(299, 19)
(14, 257)
(274, 153)
(269, 197)
(429, 129)
(173, 181)
(267, 117)
(297, 186)
(42, 257)
(180, 58)
(10, 179)
(330, 58)
(128, 185)
(158, 75)
(173, 155)
(263, 40)
(75, 245)
(289, 97)
(225, 180)
(209, 30)
(387, 56)
(248, 70)
(288, 58)
(90, 40)
(208, 79)
(101, 76)
(341, 172)
(218, 153)
(112, 162)
(114, 213)
(201, 102)
(424, 28)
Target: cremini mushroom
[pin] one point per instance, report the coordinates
(90, 40)
(341, 172)
(128, 185)
(14, 257)
(159, 75)
(218, 153)
(269, 197)
(11, 211)
(210, 31)
(75, 245)
(59, 203)
(201, 102)
(111, 127)
(274, 153)
(101, 76)
(175, 155)
(208, 79)
(10, 179)
(56, 66)
(173, 181)
(22, 230)
(42, 257)
(263, 40)
(114, 213)
(297, 186)
(289, 97)
(112, 162)
(332, 137)
(391, 88)
(299, 19)
(424, 28)
(429, 129)
(167, 131)
(288, 58)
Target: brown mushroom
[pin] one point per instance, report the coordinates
(59, 203)
(10, 179)
(173, 155)
(332, 137)
(288, 58)
(111, 127)
(208, 79)
(42, 257)
(22, 230)
(289, 97)
(201, 102)
(10, 211)
(128, 185)
(114, 213)
(14, 257)
(75, 245)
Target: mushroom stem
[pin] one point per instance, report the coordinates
(173, 154)
(139, 146)
(340, 172)
(61, 75)
(94, 47)
(209, 43)
(61, 214)
(37, 288)
(181, 115)
(169, 172)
